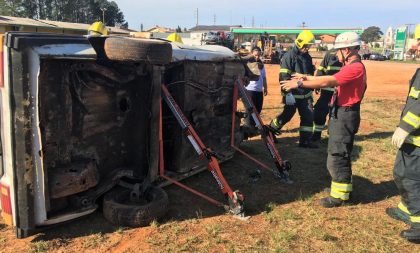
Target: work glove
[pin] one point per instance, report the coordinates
(290, 99)
(399, 137)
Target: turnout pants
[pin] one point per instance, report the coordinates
(343, 125)
(407, 179)
(257, 98)
(321, 110)
(305, 108)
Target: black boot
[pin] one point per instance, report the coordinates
(413, 233)
(397, 214)
(330, 202)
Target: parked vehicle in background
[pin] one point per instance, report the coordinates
(365, 56)
(377, 57)
(211, 37)
(219, 38)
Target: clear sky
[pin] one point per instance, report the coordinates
(271, 13)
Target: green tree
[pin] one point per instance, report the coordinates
(178, 29)
(29, 9)
(371, 34)
(78, 11)
(11, 8)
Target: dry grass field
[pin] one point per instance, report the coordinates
(284, 218)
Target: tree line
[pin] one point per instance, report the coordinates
(77, 11)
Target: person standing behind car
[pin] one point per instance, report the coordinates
(257, 89)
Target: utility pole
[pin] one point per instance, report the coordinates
(408, 29)
(196, 16)
(103, 14)
(214, 19)
(253, 21)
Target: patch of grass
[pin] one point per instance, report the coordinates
(270, 207)
(120, 230)
(283, 237)
(213, 230)
(199, 214)
(154, 224)
(94, 241)
(39, 246)
(190, 244)
(288, 214)
(177, 228)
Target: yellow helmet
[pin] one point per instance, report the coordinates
(306, 37)
(417, 32)
(97, 28)
(174, 37)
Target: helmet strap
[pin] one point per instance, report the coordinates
(342, 55)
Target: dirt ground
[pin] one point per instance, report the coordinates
(284, 218)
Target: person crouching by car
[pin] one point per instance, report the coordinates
(256, 89)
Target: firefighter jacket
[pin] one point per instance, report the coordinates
(295, 62)
(329, 66)
(410, 117)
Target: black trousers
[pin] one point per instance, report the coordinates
(321, 108)
(407, 177)
(306, 110)
(344, 124)
(257, 98)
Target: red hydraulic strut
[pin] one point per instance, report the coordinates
(235, 197)
(282, 166)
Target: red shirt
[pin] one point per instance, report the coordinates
(351, 84)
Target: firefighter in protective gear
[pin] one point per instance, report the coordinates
(350, 83)
(407, 163)
(174, 37)
(329, 66)
(97, 29)
(297, 61)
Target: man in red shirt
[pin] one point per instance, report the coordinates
(345, 113)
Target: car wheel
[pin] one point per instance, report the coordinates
(131, 49)
(121, 211)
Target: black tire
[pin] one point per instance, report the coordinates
(135, 50)
(120, 211)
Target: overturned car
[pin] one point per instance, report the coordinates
(83, 124)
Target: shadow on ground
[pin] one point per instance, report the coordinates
(309, 174)
(88, 225)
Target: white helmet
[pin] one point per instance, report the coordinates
(347, 39)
